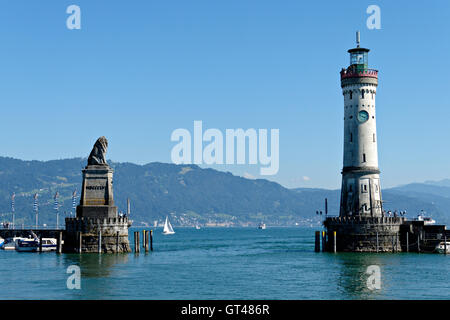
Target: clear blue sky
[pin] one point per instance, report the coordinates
(137, 70)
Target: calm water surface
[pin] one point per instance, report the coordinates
(226, 263)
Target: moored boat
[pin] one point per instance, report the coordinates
(11, 243)
(27, 245)
(32, 245)
(262, 226)
(442, 247)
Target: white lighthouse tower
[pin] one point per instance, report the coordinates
(361, 225)
(360, 192)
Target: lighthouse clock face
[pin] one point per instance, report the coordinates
(363, 116)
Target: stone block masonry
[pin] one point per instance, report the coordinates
(113, 239)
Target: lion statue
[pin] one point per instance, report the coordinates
(97, 156)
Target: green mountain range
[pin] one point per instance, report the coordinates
(190, 195)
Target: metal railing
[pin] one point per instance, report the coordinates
(354, 73)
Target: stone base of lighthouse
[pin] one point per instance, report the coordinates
(364, 234)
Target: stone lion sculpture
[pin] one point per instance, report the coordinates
(97, 156)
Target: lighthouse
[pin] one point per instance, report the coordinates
(360, 191)
(361, 225)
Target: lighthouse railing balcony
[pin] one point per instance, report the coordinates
(357, 73)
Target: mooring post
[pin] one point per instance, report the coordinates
(324, 240)
(138, 242)
(40, 242)
(59, 242)
(396, 242)
(117, 241)
(418, 243)
(99, 241)
(407, 241)
(317, 247)
(80, 242)
(377, 243)
(146, 240)
(334, 241)
(151, 240)
(445, 243)
(144, 243)
(135, 241)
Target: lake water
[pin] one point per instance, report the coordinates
(226, 263)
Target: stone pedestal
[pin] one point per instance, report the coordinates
(365, 234)
(97, 226)
(113, 239)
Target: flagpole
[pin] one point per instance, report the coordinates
(74, 199)
(36, 208)
(13, 197)
(57, 209)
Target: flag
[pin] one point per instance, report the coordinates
(74, 200)
(35, 204)
(13, 200)
(56, 204)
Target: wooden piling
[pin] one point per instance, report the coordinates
(151, 240)
(334, 242)
(445, 243)
(117, 241)
(138, 249)
(100, 241)
(396, 242)
(418, 243)
(135, 243)
(317, 247)
(59, 242)
(324, 241)
(40, 242)
(407, 241)
(146, 240)
(80, 242)
(377, 243)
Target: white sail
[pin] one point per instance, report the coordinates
(168, 227)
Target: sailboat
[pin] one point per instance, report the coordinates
(168, 227)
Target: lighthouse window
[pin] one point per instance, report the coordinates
(362, 94)
(364, 157)
(374, 137)
(351, 137)
(363, 188)
(351, 95)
